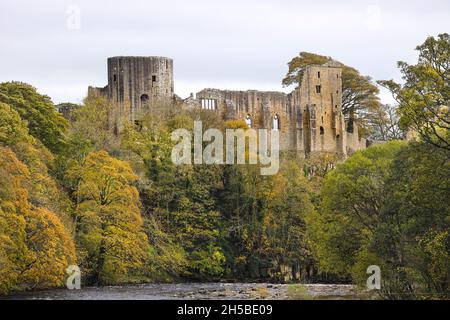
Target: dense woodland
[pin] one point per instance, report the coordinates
(73, 192)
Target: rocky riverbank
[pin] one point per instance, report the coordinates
(202, 291)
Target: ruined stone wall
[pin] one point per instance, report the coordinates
(135, 84)
(309, 119)
(354, 143)
(259, 106)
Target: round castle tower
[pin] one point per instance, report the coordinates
(137, 83)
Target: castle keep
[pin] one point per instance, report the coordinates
(136, 83)
(310, 118)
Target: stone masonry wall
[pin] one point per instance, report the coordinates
(309, 119)
(137, 83)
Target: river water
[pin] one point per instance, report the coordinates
(198, 291)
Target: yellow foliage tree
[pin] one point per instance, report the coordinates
(113, 246)
(13, 201)
(35, 247)
(44, 192)
(51, 250)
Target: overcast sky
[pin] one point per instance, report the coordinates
(229, 44)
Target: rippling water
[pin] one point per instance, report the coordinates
(195, 291)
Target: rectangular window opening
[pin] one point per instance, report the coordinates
(318, 89)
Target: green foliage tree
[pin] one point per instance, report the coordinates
(424, 98)
(44, 122)
(387, 206)
(67, 109)
(168, 260)
(93, 125)
(359, 93)
(412, 236)
(352, 197)
(264, 227)
(91, 129)
(180, 198)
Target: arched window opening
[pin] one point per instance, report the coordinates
(248, 121)
(322, 131)
(276, 123)
(144, 98)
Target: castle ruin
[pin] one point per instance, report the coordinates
(309, 119)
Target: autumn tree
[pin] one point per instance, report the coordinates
(13, 202)
(91, 129)
(181, 199)
(51, 250)
(43, 121)
(94, 125)
(43, 190)
(359, 93)
(424, 97)
(112, 245)
(35, 247)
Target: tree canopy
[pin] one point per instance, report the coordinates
(424, 97)
(359, 93)
(36, 247)
(43, 121)
(113, 246)
(115, 203)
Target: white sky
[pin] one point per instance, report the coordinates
(228, 44)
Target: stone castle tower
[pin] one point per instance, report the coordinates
(309, 119)
(136, 83)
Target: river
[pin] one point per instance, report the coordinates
(198, 291)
